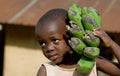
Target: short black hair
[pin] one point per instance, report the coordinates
(53, 14)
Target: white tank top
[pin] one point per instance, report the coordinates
(54, 70)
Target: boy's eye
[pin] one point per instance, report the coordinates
(55, 40)
(42, 43)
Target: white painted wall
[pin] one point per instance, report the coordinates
(22, 54)
(22, 61)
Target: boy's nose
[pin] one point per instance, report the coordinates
(50, 48)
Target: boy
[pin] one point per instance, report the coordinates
(52, 36)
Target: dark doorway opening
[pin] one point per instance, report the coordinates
(2, 42)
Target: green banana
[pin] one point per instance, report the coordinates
(76, 31)
(89, 23)
(91, 52)
(74, 14)
(90, 39)
(84, 10)
(94, 13)
(85, 65)
(77, 45)
(82, 23)
(94, 16)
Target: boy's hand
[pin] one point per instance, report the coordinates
(103, 35)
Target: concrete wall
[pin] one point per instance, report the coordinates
(22, 54)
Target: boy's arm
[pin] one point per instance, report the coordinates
(41, 71)
(104, 65)
(108, 42)
(107, 67)
(116, 50)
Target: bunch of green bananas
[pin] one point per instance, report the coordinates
(82, 23)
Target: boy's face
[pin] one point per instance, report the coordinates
(51, 39)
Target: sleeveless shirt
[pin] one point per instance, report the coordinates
(54, 70)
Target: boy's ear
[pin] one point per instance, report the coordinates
(68, 34)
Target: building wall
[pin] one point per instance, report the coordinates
(22, 54)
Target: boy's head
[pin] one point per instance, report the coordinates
(51, 34)
(52, 17)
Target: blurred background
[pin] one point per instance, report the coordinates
(20, 54)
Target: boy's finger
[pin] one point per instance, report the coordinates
(97, 29)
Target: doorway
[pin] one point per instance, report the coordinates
(2, 42)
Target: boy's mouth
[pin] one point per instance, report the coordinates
(53, 57)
